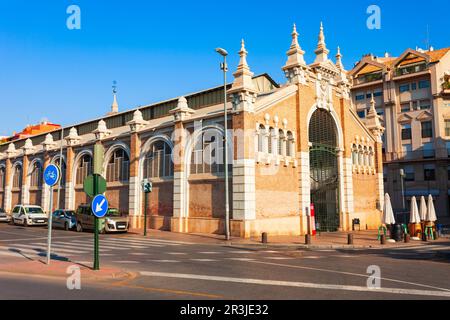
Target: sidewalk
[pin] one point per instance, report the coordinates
(60, 269)
(336, 240)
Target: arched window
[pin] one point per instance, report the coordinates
(262, 136)
(2, 178)
(17, 178)
(290, 145)
(366, 157)
(63, 171)
(360, 156)
(272, 141)
(282, 144)
(208, 154)
(118, 168)
(371, 156)
(355, 155)
(158, 161)
(84, 168)
(36, 175)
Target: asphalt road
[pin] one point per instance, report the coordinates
(166, 269)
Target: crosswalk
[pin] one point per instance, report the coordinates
(82, 247)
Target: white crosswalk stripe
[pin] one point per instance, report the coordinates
(44, 248)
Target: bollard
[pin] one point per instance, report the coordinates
(308, 239)
(383, 239)
(350, 239)
(264, 237)
(407, 238)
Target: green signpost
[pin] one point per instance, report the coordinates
(147, 188)
(95, 185)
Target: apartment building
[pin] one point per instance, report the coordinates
(412, 97)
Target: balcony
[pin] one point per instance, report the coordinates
(417, 155)
(410, 70)
(370, 77)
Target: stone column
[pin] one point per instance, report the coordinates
(134, 183)
(25, 193)
(8, 185)
(181, 113)
(70, 180)
(45, 200)
(135, 212)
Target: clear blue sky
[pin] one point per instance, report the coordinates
(165, 49)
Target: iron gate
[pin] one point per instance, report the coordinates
(324, 171)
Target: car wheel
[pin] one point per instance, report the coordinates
(79, 227)
(25, 223)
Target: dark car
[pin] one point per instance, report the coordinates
(64, 219)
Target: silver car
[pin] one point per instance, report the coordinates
(4, 217)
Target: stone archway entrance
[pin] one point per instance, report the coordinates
(324, 171)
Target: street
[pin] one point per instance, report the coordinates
(169, 269)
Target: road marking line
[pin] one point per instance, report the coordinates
(148, 242)
(129, 244)
(269, 251)
(209, 252)
(126, 262)
(111, 245)
(38, 248)
(204, 260)
(164, 261)
(296, 284)
(161, 240)
(139, 254)
(240, 259)
(278, 258)
(312, 257)
(349, 274)
(65, 246)
(177, 253)
(241, 252)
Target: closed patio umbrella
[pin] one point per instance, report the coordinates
(423, 209)
(388, 213)
(431, 213)
(414, 214)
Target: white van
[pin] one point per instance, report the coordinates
(29, 216)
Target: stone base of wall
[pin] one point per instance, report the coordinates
(280, 226)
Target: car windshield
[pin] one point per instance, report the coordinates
(33, 210)
(113, 213)
(70, 213)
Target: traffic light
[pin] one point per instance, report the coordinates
(147, 186)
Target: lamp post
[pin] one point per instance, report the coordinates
(402, 177)
(224, 68)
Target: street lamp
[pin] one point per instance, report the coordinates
(402, 177)
(224, 68)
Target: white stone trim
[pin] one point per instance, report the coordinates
(244, 190)
(134, 196)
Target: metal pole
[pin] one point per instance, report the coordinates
(403, 191)
(60, 168)
(49, 225)
(227, 206)
(96, 237)
(145, 213)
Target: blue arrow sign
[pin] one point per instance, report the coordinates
(99, 206)
(51, 175)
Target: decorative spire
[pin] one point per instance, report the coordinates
(243, 76)
(138, 121)
(295, 56)
(321, 51)
(339, 64)
(182, 111)
(115, 105)
(101, 131)
(373, 122)
(48, 144)
(73, 138)
(28, 147)
(11, 151)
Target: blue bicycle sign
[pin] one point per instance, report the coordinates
(51, 175)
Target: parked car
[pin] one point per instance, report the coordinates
(112, 222)
(27, 215)
(64, 219)
(4, 217)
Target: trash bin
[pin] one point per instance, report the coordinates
(397, 232)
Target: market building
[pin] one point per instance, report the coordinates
(291, 145)
(412, 97)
